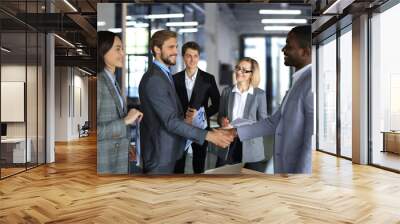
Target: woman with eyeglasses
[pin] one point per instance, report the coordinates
(113, 118)
(244, 100)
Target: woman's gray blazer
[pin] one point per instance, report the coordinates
(255, 109)
(112, 133)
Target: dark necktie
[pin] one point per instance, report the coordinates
(119, 93)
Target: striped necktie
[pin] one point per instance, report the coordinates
(171, 79)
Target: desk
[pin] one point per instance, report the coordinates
(391, 141)
(13, 150)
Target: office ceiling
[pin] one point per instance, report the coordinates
(79, 27)
(249, 19)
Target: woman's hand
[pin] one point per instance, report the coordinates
(132, 153)
(224, 121)
(133, 116)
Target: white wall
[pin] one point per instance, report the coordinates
(106, 13)
(69, 85)
(17, 73)
(221, 40)
(33, 126)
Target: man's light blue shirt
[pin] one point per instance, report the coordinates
(165, 69)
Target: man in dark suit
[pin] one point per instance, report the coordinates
(163, 129)
(195, 87)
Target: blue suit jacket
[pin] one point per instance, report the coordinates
(292, 127)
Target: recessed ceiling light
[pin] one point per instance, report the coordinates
(101, 23)
(136, 24)
(64, 40)
(188, 30)
(70, 5)
(191, 23)
(115, 30)
(279, 12)
(283, 21)
(164, 16)
(278, 28)
(5, 50)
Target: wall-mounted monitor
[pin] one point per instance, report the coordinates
(12, 101)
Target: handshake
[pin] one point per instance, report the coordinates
(221, 137)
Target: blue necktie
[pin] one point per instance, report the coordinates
(171, 79)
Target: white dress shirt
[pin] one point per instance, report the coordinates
(189, 83)
(295, 77)
(240, 102)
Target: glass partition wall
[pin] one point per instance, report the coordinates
(384, 100)
(334, 94)
(22, 76)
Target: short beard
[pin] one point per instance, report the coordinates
(166, 60)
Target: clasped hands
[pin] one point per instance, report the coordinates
(221, 137)
(227, 133)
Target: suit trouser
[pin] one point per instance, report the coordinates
(165, 169)
(235, 156)
(199, 159)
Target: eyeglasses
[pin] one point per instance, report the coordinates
(243, 70)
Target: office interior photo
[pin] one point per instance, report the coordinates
(48, 111)
(221, 46)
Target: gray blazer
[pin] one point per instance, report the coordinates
(292, 127)
(112, 133)
(255, 109)
(163, 132)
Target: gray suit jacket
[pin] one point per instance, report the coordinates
(255, 109)
(292, 127)
(112, 133)
(163, 132)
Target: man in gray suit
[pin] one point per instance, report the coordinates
(163, 129)
(292, 124)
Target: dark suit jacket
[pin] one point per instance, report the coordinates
(163, 130)
(204, 88)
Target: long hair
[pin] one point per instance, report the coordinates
(105, 41)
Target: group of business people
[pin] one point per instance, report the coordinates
(169, 103)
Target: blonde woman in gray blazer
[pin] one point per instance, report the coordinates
(244, 100)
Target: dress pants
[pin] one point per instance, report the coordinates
(166, 169)
(199, 159)
(235, 156)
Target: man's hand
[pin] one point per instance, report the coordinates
(221, 138)
(232, 131)
(189, 116)
(132, 116)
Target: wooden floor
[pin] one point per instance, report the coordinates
(69, 191)
(387, 159)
